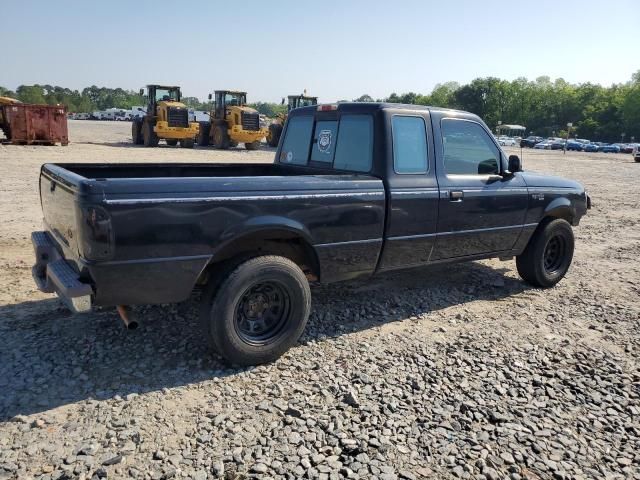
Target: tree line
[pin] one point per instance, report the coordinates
(542, 105)
(95, 98)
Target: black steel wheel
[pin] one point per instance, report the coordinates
(255, 311)
(554, 254)
(261, 313)
(548, 255)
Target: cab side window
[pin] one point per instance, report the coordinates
(409, 144)
(468, 149)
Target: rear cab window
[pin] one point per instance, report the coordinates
(345, 143)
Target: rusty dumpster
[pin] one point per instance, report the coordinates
(27, 124)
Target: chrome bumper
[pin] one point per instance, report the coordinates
(52, 273)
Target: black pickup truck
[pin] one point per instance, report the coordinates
(356, 190)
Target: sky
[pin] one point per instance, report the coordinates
(333, 49)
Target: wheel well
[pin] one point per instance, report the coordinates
(277, 242)
(562, 213)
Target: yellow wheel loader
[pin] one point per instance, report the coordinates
(295, 101)
(166, 118)
(232, 122)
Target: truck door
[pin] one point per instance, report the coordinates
(412, 189)
(479, 212)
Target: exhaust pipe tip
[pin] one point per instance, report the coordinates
(130, 323)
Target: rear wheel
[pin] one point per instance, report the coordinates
(187, 143)
(203, 134)
(258, 311)
(275, 130)
(136, 133)
(221, 137)
(172, 142)
(252, 145)
(150, 139)
(548, 255)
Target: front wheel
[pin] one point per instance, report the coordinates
(275, 130)
(187, 143)
(548, 255)
(221, 137)
(258, 311)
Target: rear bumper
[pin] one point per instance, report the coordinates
(53, 274)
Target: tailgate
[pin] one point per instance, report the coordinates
(58, 196)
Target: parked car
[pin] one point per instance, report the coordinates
(636, 152)
(334, 208)
(591, 147)
(625, 147)
(530, 141)
(610, 149)
(506, 141)
(544, 145)
(557, 145)
(575, 146)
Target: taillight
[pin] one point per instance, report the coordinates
(97, 233)
(326, 108)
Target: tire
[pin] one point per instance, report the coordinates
(275, 130)
(136, 133)
(258, 311)
(548, 255)
(252, 145)
(203, 134)
(171, 141)
(220, 137)
(150, 139)
(187, 143)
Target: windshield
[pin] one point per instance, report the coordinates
(165, 94)
(297, 102)
(235, 99)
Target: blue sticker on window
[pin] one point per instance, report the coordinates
(324, 141)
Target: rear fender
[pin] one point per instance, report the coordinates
(263, 234)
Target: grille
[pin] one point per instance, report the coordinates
(250, 121)
(177, 117)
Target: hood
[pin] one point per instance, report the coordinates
(533, 179)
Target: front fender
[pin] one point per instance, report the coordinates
(561, 207)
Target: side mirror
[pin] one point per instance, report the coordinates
(282, 103)
(515, 165)
(142, 92)
(210, 96)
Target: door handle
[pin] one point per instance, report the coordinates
(456, 195)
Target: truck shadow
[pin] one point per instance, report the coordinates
(50, 358)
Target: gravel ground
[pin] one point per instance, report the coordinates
(459, 372)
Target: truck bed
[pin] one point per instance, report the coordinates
(147, 231)
(97, 171)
